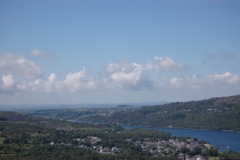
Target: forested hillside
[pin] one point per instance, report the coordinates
(215, 113)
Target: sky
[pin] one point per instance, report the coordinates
(121, 51)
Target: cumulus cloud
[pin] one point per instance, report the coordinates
(214, 80)
(8, 81)
(124, 75)
(74, 82)
(164, 63)
(226, 77)
(127, 75)
(21, 75)
(7, 84)
(10, 85)
(78, 81)
(52, 84)
(176, 82)
(40, 54)
(17, 65)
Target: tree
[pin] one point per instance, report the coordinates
(197, 150)
(184, 150)
(6, 141)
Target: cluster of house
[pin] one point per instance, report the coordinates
(162, 148)
(159, 148)
(100, 149)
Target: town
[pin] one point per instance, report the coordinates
(183, 148)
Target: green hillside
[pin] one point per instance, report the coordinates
(215, 113)
(221, 113)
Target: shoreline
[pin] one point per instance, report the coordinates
(210, 136)
(150, 126)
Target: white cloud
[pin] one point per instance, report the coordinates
(52, 84)
(78, 81)
(74, 82)
(8, 81)
(125, 72)
(124, 75)
(127, 75)
(10, 85)
(176, 82)
(52, 77)
(226, 77)
(40, 54)
(21, 75)
(164, 63)
(216, 80)
(7, 84)
(17, 65)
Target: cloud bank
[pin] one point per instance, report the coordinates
(216, 80)
(17, 65)
(19, 74)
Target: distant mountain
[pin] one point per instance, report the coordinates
(219, 113)
(222, 113)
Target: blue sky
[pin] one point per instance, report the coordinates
(79, 51)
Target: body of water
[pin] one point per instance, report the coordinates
(220, 139)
